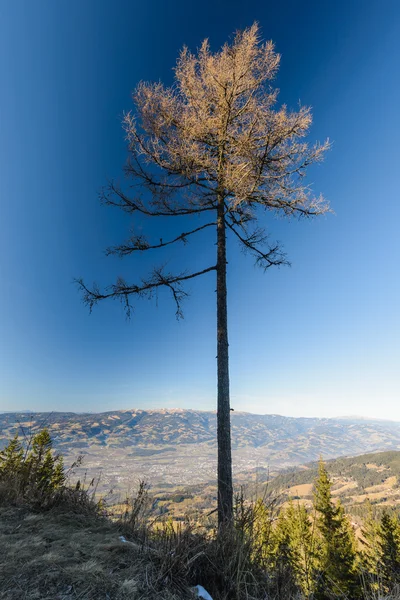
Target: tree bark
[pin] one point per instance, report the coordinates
(225, 487)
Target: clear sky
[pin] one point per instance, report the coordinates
(318, 339)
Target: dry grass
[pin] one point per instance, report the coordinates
(302, 489)
(58, 555)
(345, 487)
(388, 484)
(63, 548)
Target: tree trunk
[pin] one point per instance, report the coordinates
(225, 487)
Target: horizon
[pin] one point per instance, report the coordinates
(195, 410)
(319, 338)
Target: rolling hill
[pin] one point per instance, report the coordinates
(374, 477)
(178, 446)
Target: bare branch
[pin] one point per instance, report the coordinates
(122, 291)
(272, 257)
(170, 182)
(140, 243)
(111, 195)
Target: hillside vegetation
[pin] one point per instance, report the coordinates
(56, 542)
(373, 477)
(60, 541)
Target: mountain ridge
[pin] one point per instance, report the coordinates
(164, 410)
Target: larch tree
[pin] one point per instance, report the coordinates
(213, 145)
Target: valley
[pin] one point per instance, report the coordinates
(176, 447)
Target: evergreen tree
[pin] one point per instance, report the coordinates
(44, 470)
(287, 555)
(304, 544)
(58, 476)
(41, 445)
(11, 458)
(32, 473)
(337, 569)
(371, 552)
(389, 545)
(262, 534)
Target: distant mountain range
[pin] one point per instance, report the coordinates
(177, 445)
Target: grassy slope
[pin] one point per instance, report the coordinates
(60, 555)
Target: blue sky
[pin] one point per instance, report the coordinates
(318, 339)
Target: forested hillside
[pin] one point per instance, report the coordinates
(373, 477)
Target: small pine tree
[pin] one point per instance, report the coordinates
(287, 557)
(337, 561)
(371, 553)
(41, 444)
(304, 545)
(58, 475)
(34, 473)
(11, 458)
(45, 471)
(262, 534)
(389, 545)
